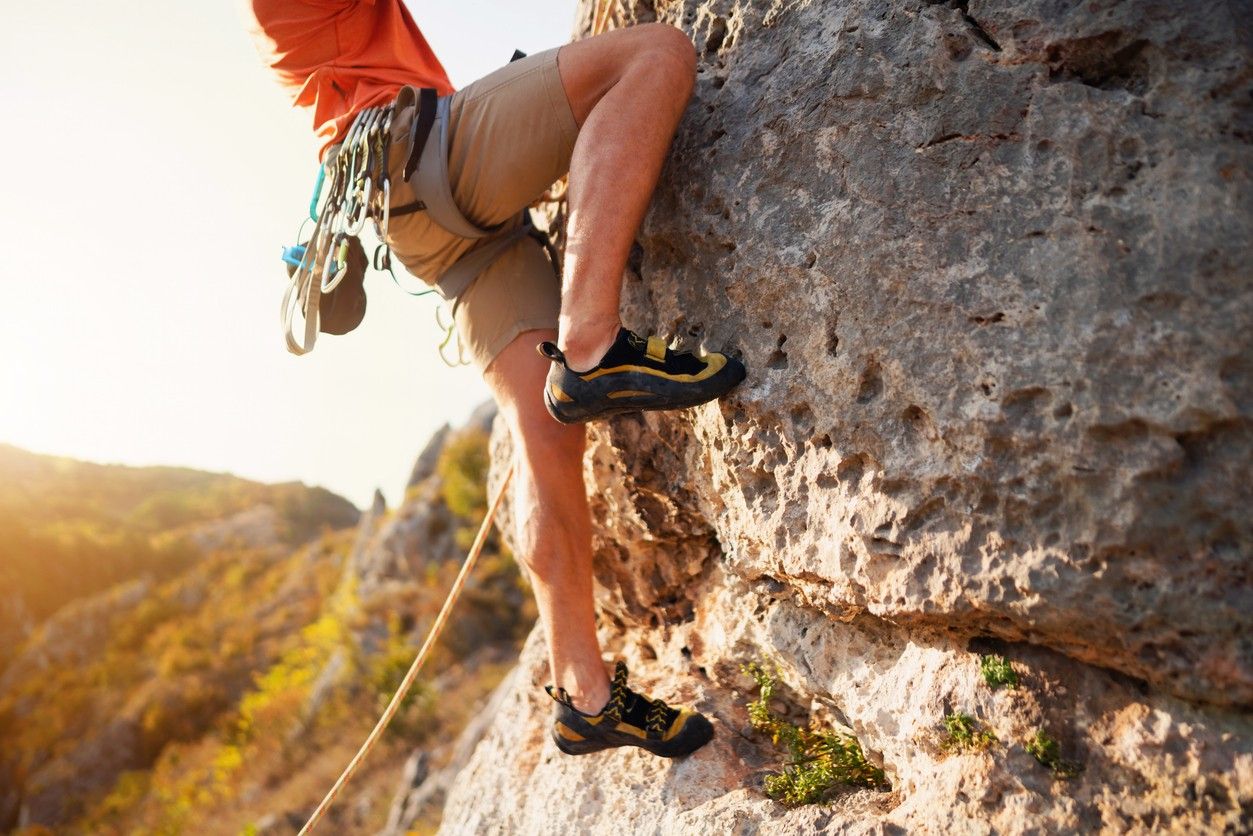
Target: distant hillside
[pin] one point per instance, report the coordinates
(69, 529)
(225, 697)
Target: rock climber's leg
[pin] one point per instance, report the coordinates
(554, 540)
(513, 306)
(552, 526)
(628, 89)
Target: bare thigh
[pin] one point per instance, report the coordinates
(512, 132)
(589, 68)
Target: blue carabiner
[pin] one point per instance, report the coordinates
(295, 256)
(317, 193)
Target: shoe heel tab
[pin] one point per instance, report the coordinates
(550, 351)
(559, 695)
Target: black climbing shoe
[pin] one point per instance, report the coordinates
(628, 719)
(636, 374)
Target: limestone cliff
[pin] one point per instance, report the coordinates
(988, 265)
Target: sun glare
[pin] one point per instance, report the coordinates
(158, 171)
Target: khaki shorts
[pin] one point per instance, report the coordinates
(510, 137)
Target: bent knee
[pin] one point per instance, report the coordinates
(669, 47)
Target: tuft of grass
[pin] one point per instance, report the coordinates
(818, 761)
(962, 733)
(997, 672)
(1047, 751)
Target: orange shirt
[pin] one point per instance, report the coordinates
(340, 56)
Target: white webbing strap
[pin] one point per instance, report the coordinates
(458, 278)
(304, 291)
(431, 185)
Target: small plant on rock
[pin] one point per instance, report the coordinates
(1046, 750)
(997, 672)
(962, 733)
(818, 761)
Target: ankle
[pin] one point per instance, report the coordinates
(585, 343)
(589, 697)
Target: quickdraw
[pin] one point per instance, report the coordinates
(351, 187)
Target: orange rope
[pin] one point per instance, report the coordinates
(407, 682)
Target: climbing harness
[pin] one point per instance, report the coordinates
(405, 684)
(327, 273)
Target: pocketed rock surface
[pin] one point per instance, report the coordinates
(988, 266)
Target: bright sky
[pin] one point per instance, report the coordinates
(152, 172)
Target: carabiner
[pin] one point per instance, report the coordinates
(356, 223)
(386, 193)
(340, 247)
(317, 193)
(382, 259)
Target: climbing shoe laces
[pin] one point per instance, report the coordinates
(623, 702)
(628, 719)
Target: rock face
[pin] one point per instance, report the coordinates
(988, 265)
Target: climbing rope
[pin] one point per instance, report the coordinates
(407, 682)
(601, 15)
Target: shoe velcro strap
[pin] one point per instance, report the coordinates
(656, 349)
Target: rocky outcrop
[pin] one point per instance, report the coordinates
(76, 634)
(424, 466)
(392, 549)
(423, 791)
(988, 266)
(256, 528)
